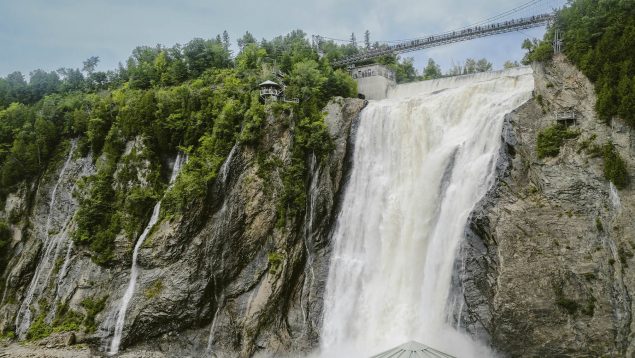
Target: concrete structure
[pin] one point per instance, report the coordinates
(566, 118)
(373, 81)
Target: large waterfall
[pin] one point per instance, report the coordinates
(422, 160)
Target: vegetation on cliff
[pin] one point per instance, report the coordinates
(599, 38)
(551, 139)
(196, 98)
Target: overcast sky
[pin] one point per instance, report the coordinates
(50, 34)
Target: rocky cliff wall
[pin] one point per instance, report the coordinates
(546, 267)
(229, 280)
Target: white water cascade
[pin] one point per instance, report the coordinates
(51, 248)
(134, 269)
(422, 159)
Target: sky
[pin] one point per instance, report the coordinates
(50, 34)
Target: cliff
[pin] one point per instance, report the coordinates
(544, 269)
(229, 279)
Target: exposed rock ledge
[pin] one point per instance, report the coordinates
(546, 267)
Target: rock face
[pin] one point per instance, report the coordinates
(544, 269)
(229, 280)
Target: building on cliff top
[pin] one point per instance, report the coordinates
(273, 92)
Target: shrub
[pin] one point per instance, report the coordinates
(66, 320)
(5, 239)
(92, 307)
(551, 139)
(598, 224)
(614, 166)
(569, 305)
(275, 262)
(154, 290)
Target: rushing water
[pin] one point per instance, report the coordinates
(423, 158)
(134, 270)
(51, 247)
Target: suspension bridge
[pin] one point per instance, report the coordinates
(536, 13)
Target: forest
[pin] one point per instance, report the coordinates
(201, 99)
(197, 98)
(599, 38)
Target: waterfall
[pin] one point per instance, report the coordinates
(51, 248)
(134, 269)
(614, 196)
(223, 174)
(423, 158)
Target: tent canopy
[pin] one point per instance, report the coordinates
(412, 349)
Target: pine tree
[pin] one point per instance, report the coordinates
(226, 40)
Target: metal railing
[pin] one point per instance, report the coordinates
(449, 37)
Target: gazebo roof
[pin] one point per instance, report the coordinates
(269, 83)
(413, 349)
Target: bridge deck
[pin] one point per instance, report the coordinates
(449, 37)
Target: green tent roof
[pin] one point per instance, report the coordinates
(413, 349)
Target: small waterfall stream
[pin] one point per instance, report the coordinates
(134, 269)
(223, 175)
(309, 272)
(423, 158)
(614, 196)
(51, 247)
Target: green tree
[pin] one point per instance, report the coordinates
(90, 64)
(42, 83)
(510, 64)
(245, 40)
(306, 80)
(483, 65)
(432, 70)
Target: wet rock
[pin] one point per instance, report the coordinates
(540, 271)
(223, 277)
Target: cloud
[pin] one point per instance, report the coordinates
(62, 33)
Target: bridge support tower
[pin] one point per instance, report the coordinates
(373, 81)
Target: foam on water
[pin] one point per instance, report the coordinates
(423, 158)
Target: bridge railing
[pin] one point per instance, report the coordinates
(449, 37)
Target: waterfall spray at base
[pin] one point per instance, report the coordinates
(51, 247)
(134, 270)
(423, 158)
